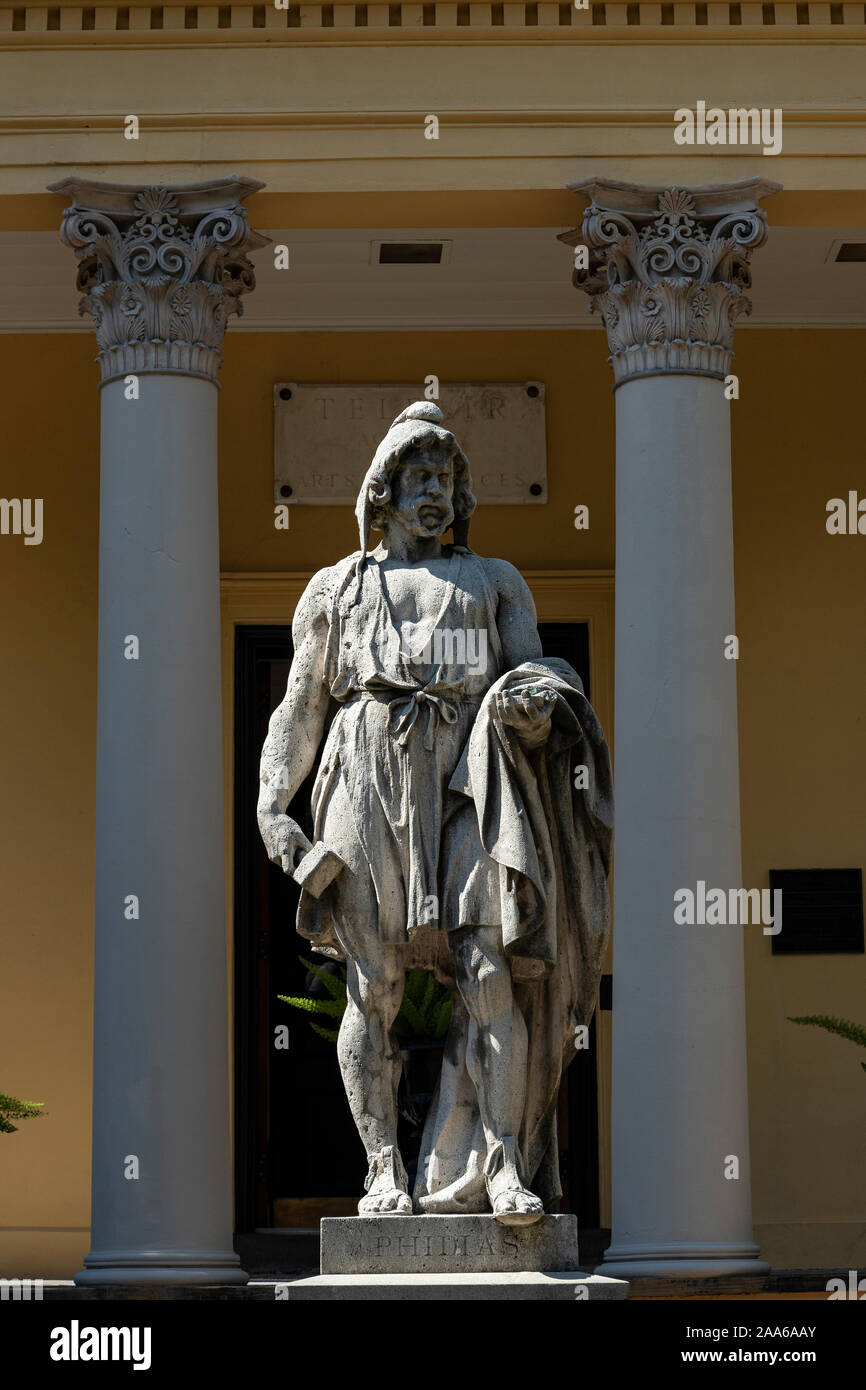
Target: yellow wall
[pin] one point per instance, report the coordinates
(802, 731)
(580, 444)
(48, 718)
(802, 681)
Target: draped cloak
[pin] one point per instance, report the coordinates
(460, 824)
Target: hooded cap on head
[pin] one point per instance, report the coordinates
(418, 423)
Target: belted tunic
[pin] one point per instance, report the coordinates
(396, 740)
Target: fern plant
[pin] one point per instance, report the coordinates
(842, 1027)
(12, 1109)
(424, 1013)
(333, 1007)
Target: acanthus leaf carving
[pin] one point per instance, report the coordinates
(669, 279)
(160, 282)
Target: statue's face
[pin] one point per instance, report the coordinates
(423, 491)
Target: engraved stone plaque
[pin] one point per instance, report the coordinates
(325, 436)
(446, 1245)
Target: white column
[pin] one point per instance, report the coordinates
(667, 269)
(160, 270)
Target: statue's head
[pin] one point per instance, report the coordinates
(419, 474)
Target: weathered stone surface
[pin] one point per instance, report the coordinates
(563, 1288)
(450, 757)
(669, 270)
(325, 436)
(446, 1244)
(160, 270)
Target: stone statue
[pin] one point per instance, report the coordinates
(463, 823)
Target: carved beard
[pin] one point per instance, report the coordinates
(410, 517)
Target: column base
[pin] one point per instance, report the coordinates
(682, 1260)
(161, 1267)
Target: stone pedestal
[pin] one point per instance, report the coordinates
(446, 1245)
(452, 1257)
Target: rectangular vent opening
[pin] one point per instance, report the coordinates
(822, 911)
(410, 253)
(851, 251)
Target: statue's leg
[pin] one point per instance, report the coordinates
(496, 1061)
(368, 1051)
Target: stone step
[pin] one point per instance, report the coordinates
(565, 1287)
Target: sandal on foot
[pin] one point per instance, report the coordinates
(504, 1186)
(387, 1178)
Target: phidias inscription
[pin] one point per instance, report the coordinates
(445, 1245)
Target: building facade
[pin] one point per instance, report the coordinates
(510, 137)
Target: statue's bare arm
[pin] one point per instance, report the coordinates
(296, 726)
(516, 618)
(516, 621)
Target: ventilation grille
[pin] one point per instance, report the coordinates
(410, 252)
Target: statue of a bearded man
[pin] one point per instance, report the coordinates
(451, 832)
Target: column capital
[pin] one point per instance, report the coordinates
(668, 270)
(160, 270)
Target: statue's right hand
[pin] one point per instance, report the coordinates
(287, 844)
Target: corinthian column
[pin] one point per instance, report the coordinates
(160, 270)
(667, 271)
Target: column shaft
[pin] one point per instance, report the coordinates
(679, 1061)
(160, 1032)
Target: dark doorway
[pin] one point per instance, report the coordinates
(298, 1156)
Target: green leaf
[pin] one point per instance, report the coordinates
(416, 982)
(13, 1109)
(429, 994)
(335, 1007)
(412, 1018)
(334, 984)
(329, 1034)
(442, 1015)
(402, 1030)
(842, 1027)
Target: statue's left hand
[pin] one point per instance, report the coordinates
(527, 711)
